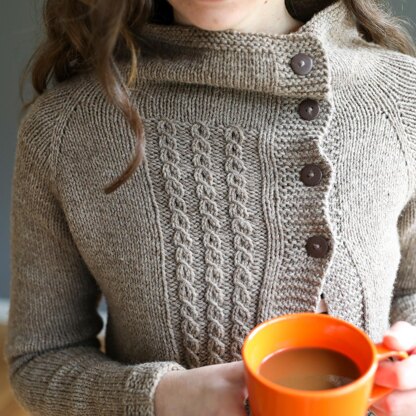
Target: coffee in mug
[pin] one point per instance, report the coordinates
(309, 369)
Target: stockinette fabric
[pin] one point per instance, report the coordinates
(216, 231)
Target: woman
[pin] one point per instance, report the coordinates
(208, 165)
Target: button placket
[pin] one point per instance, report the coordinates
(311, 175)
(299, 214)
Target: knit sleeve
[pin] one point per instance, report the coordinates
(404, 300)
(55, 363)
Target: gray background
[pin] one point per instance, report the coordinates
(19, 33)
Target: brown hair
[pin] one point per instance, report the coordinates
(91, 35)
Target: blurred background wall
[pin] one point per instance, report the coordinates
(19, 33)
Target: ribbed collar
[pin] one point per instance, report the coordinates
(246, 61)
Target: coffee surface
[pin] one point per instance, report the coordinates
(309, 369)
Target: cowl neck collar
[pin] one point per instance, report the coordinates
(257, 62)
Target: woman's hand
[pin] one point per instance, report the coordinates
(218, 390)
(399, 375)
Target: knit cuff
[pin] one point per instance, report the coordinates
(141, 386)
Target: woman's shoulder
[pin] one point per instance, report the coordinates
(396, 75)
(380, 72)
(398, 67)
(44, 122)
(389, 67)
(58, 102)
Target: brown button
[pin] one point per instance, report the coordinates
(309, 109)
(317, 246)
(301, 64)
(311, 175)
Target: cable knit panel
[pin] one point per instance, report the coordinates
(180, 222)
(243, 244)
(210, 226)
(224, 203)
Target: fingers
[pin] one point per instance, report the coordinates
(399, 403)
(401, 336)
(239, 377)
(400, 375)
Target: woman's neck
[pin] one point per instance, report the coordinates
(268, 16)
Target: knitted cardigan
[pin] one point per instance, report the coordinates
(210, 236)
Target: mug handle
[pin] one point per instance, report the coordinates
(382, 354)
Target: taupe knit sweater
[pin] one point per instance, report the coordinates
(213, 233)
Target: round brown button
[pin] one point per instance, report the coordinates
(309, 109)
(311, 175)
(301, 64)
(317, 246)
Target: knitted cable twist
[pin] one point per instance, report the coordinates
(243, 245)
(212, 243)
(184, 272)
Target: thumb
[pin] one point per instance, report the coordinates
(236, 370)
(236, 375)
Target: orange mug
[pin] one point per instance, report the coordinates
(320, 331)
